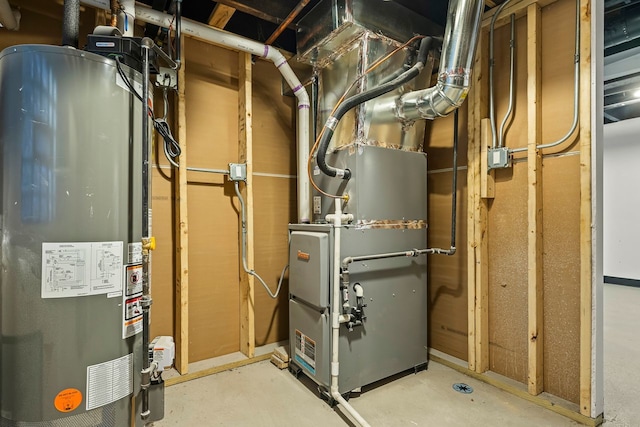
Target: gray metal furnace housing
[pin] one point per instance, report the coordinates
(71, 158)
(392, 339)
(387, 197)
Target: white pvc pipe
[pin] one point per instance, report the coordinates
(335, 320)
(7, 17)
(233, 41)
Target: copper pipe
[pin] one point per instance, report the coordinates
(115, 7)
(287, 21)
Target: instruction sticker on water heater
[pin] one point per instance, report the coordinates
(79, 269)
(132, 302)
(109, 381)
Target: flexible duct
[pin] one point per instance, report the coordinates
(233, 41)
(8, 18)
(454, 76)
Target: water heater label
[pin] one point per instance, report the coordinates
(79, 269)
(109, 381)
(135, 253)
(317, 204)
(131, 302)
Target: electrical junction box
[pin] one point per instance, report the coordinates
(167, 78)
(498, 158)
(237, 171)
(162, 350)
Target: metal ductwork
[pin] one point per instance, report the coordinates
(9, 19)
(454, 76)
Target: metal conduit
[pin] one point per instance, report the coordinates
(576, 92)
(492, 107)
(512, 59)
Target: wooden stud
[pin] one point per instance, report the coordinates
(487, 177)
(221, 15)
(245, 152)
(472, 120)
(216, 370)
(182, 237)
(535, 383)
(482, 282)
(478, 279)
(586, 279)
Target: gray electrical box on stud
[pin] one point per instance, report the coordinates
(238, 171)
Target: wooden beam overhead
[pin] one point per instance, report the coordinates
(221, 15)
(271, 11)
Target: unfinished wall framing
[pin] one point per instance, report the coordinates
(529, 279)
(516, 298)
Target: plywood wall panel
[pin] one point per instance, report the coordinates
(162, 262)
(558, 46)
(507, 263)
(561, 222)
(212, 130)
(274, 132)
(275, 208)
(274, 152)
(447, 275)
(213, 270)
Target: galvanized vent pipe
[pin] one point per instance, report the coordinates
(454, 76)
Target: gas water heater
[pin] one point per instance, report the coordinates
(71, 316)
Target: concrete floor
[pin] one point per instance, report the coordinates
(262, 395)
(621, 356)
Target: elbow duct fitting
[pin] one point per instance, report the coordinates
(454, 76)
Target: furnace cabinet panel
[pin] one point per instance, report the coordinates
(393, 337)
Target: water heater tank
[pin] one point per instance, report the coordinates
(71, 351)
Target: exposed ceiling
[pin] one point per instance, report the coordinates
(258, 19)
(622, 60)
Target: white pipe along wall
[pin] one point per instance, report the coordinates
(212, 35)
